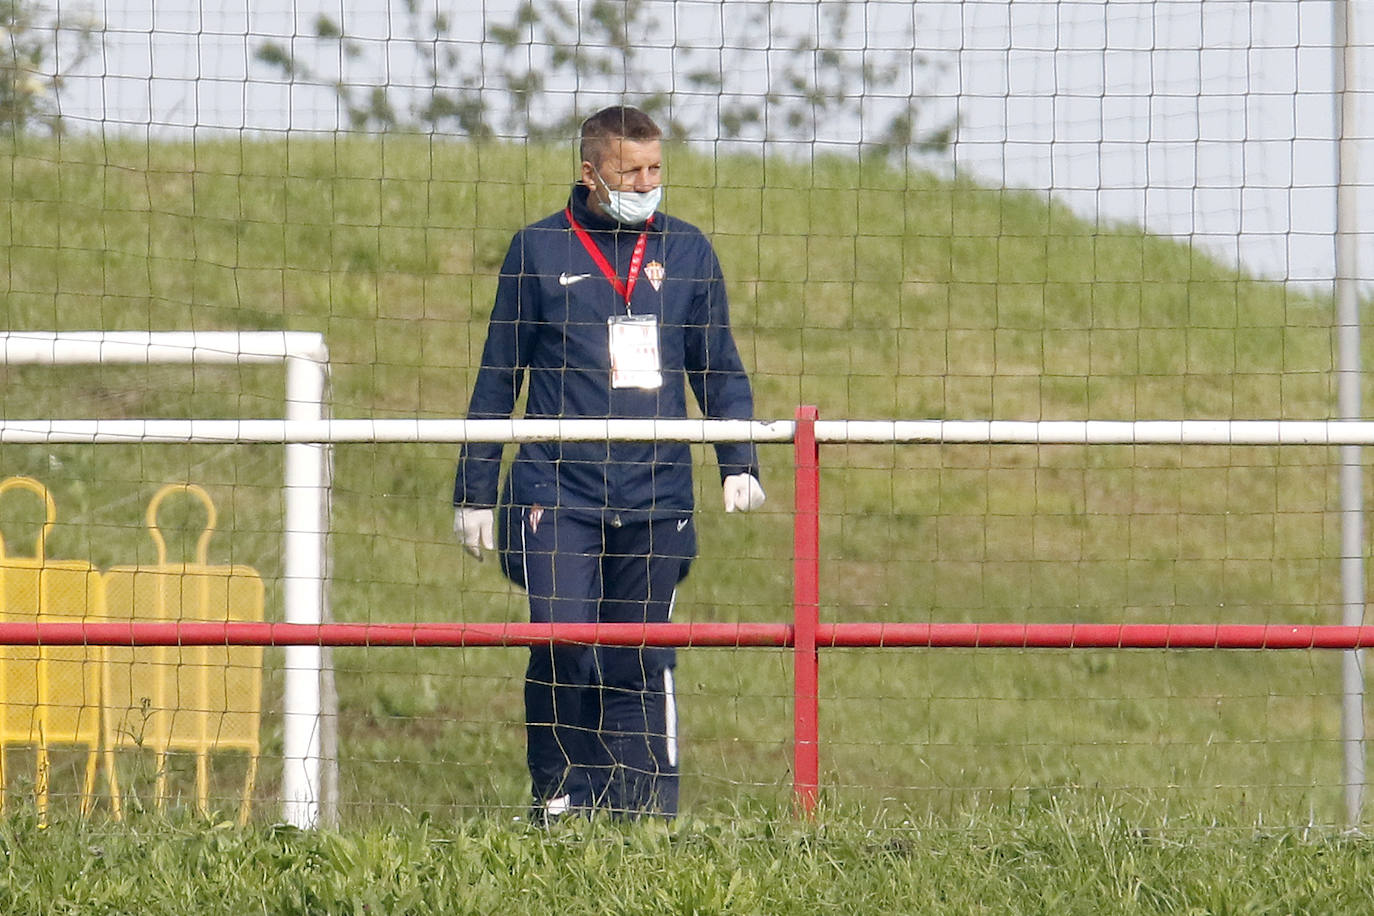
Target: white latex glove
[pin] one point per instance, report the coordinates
(743, 493)
(474, 528)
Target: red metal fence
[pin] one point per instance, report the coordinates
(806, 635)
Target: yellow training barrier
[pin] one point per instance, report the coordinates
(198, 699)
(48, 696)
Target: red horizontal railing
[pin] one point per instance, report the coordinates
(700, 635)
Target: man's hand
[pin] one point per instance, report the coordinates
(474, 528)
(742, 493)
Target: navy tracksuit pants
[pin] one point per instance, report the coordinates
(600, 721)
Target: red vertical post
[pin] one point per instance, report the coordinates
(806, 557)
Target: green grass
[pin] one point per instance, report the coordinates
(869, 292)
(1058, 855)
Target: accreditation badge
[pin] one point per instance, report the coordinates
(634, 352)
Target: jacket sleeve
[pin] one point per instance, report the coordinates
(714, 368)
(505, 358)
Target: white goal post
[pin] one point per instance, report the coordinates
(305, 549)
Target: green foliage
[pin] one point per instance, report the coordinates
(36, 51)
(515, 83)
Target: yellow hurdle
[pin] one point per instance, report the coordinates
(50, 696)
(198, 699)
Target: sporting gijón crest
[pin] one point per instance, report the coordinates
(654, 273)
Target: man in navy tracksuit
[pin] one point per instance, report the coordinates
(610, 309)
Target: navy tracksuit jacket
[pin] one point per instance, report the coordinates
(602, 531)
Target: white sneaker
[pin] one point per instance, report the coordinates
(557, 807)
(545, 813)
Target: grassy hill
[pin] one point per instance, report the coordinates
(869, 292)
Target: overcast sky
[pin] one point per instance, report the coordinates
(1208, 121)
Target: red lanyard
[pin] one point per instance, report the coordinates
(626, 288)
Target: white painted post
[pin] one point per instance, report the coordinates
(1349, 376)
(307, 486)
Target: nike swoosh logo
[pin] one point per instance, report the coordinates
(566, 279)
(681, 523)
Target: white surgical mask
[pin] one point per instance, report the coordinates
(630, 207)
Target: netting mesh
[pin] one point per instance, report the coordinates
(939, 210)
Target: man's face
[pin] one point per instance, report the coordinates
(626, 165)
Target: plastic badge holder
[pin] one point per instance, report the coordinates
(195, 699)
(48, 695)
